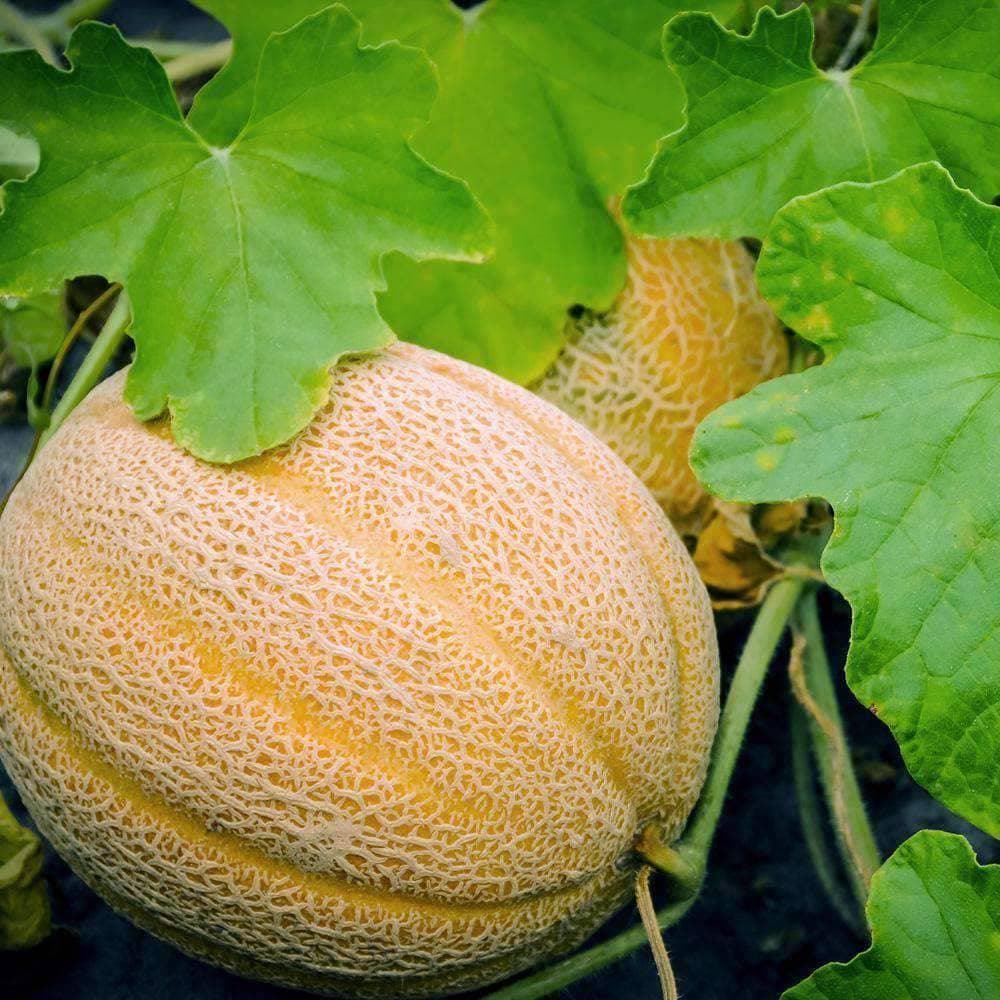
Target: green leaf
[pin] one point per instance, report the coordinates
(221, 108)
(32, 328)
(24, 901)
(251, 267)
(548, 108)
(765, 125)
(899, 282)
(31, 331)
(935, 920)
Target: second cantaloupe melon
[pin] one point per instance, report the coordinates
(689, 332)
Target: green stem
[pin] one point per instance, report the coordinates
(24, 29)
(693, 848)
(74, 334)
(857, 36)
(749, 675)
(166, 49)
(58, 25)
(854, 833)
(80, 10)
(204, 60)
(104, 348)
(586, 963)
(810, 815)
(184, 59)
(42, 434)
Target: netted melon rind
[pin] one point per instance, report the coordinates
(378, 713)
(689, 332)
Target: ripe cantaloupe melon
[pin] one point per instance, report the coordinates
(688, 333)
(379, 713)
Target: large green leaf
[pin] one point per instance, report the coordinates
(253, 266)
(548, 108)
(24, 900)
(899, 282)
(765, 125)
(935, 920)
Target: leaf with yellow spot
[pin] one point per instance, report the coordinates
(898, 430)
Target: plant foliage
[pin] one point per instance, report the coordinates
(549, 110)
(765, 124)
(251, 266)
(899, 283)
(24, 902)
(454, 177)
(934, 915)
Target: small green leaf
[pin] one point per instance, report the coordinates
(31, 331)
(251, 267)
(764, 124)
(32, 328)
(24, 901)
(899, 282)
(935, 921)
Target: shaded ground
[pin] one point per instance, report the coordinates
(761, 925)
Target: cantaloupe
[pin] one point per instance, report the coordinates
(379, 713)
(688, 333)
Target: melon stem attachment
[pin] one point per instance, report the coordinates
(685, 875)
(769, 626)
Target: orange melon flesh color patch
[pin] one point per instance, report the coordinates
(378, 714)
(689, 332)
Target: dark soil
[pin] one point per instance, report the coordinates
(761, 925)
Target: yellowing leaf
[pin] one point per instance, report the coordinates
(24, 901)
